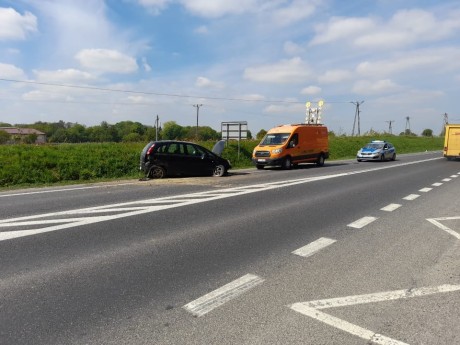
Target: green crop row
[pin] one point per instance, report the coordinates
(32, 165)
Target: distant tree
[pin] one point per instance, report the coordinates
(261, 134)
(249, 134)
(100, 134)
(4, 124)
(30, 139)
(427, 133)
(171, 130)
(4, 136)
(207, 133)
(331, 134)
(407, 132)
(132, 138)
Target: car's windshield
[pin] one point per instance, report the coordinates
(374, 146)
(274, 138)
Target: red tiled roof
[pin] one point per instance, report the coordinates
(20, 131)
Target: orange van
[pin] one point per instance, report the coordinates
(289, 145)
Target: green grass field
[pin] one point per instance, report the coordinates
(39, 165)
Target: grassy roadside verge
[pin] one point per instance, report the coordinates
(44, 165)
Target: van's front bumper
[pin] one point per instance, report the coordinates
(267, 161)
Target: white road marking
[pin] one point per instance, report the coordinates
(454, 176)
(216, 298)
(312, 309)
(314, 247)
(437, 184)
(436, 221)
(425, 190)
(391, 207)
(104, 213)
(66, 189)
(358, 224)
(447, 179)
(411, 197)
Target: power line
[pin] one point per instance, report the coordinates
(153, 93)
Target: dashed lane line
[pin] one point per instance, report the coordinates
(391, 207)
(437, 184)
(425, 190)
(314, 247)
(411, 197)
(220, 296)
(360, 223)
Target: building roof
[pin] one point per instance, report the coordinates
(20, 131)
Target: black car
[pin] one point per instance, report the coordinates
(171, 157)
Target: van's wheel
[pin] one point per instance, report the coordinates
(219, 171)
(259, 166)
(393, 158)
(157, 172)
(320, 160)
(287, 164)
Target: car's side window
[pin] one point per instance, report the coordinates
(191, 150)
(161, 149)
(199, 151)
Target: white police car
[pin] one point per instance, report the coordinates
(377, 150)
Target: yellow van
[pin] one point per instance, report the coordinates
(452, 142)
(289, 145)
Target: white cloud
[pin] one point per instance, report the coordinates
(155, 6)
(219, 8)
(295, 12)
(106, 61)
(311, 90)
(146, 65)
(366, 87)
(66, 76)
(284, 72)
(14, 26)
(253, 97)
(8, 71)
(202, 29)
(206, 83)
(339, 28)
(334, 76)
(292, 48)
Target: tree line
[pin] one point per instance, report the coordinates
(124, 131)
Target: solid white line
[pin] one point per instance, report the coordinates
(391, 207)
(411, 197)
(437, 184)
(447, 179)
(381, 296)
(312, 309)
(216, 298)
(425, 190)
(314, 247)
(358, 224)
(443, 227)
(345, 325)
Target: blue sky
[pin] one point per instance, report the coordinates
(258, 61)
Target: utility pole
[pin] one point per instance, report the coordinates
(197, 106)
(157, 121)
(446, 119)
(390, 130)
(357, 104)
(407, 129)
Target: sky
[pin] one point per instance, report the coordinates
(215, 61)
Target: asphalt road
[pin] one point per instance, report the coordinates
(350, 253)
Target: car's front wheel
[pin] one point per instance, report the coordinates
(259, 166)
(157, 172)
(219, 171)
(393, 158)
(287, 163)
(382, 158)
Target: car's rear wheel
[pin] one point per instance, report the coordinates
(157, 172)
(219, 171)
(287, 163)
(259, 166)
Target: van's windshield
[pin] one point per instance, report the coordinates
(275, 138)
